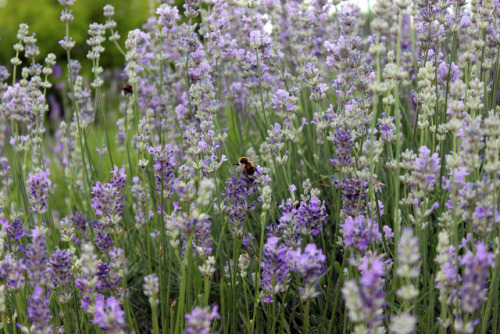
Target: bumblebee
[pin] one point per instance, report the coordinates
(127, 90)
(246, 166)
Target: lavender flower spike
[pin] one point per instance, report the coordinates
(39, 312)
(151, 287)
(166, 181)
(366, 300)
(275, 269)
(108, 201)
(12, 270)
(199, 321)
(36, 258)
(59, 273)
(309, 266)
(359, 232)
(108, 315)
(475, 276)
(38, 186)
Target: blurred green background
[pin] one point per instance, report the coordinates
(42, 16)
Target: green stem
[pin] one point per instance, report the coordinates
(184, 285)
(154, 319)
(77, 112)
(263, 114)
(207, 290)
(306, 316)
(257, 277)
(98, 92)
(234, 281)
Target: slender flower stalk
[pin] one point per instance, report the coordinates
(151, 287)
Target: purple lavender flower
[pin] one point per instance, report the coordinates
(426, 168)
(447, 276)
(199, 321)
(344, 55)
(235, 206)
(67, 3)
(117, 261)
(108, 201)
(38, 186)
(203, 142)
(485, 217)
(59, 272)
(284, 104)
(427, 31)
(312, 215)
(312, 77)
(151, 288)
(39, 312)
(4, 227)
(36, 258)
(465, 21)
(318, 93)
(108, 315)
(366, 300)
(343, 142)
(4, 75)
(102, 238)
(16, 105)
(476, 266)
(168, 16)
(16, 230)
(87, 280)
(82, 96)
(140, 53)
(202, 238)
(5, 177)
(140, 204)
(297, 222)
(164, 170)
(387, 128)
(12, 270)
(309, 266)
(275, 269)
(190, 8)
(108, 279)
(442, 72)
(289, 229)
(353, 191)
(196, 223)
(80, 221)
(359, 231)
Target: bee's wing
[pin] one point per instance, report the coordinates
(240, 167)
(254, 160)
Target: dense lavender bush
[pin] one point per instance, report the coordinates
(367, 202)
